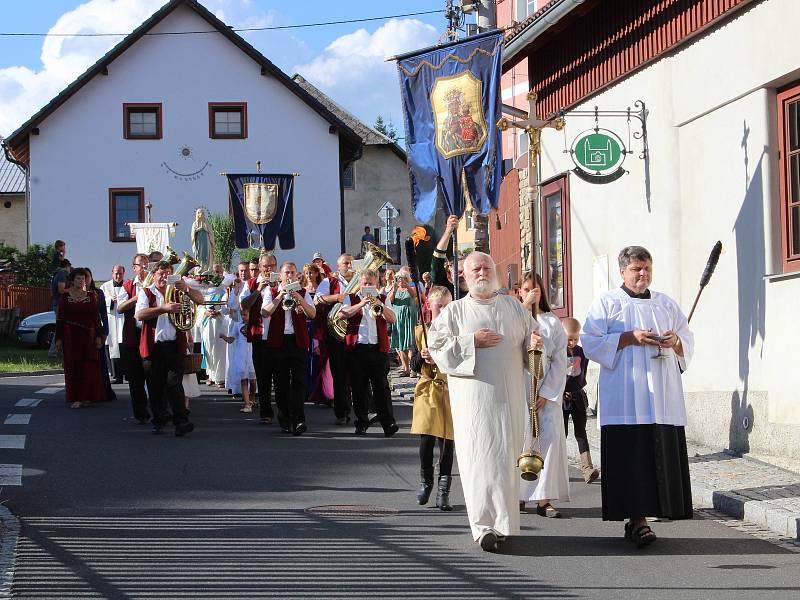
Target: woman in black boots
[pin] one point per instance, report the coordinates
(432, 418)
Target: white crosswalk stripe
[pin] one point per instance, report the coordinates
(18, 419)
(15, 442)
(32, 402)
(10, 475)
(49, 390)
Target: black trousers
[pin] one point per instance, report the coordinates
(164, 373)
(369, 366)
(577, 409)
(134, 371)
(446, 448)
(263, 363)
(291, 363)
(337, 357)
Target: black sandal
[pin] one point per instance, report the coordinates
(642, 536)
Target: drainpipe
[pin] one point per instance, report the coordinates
(27, 172)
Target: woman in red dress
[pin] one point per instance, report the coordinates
(79, 339)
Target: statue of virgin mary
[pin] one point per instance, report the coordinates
(202, 240)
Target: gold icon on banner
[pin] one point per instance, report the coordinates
(457, 105)
(260, 201)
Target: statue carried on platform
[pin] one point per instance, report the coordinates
(202, 239)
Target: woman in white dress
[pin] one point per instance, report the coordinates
(553, 481)
(239, 371)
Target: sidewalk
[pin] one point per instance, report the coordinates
(742, 488)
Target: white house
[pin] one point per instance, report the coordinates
(721, 84)
(157, 120)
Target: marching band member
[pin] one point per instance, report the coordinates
(131, 330)
(251, 300)
(162, 348)
(287, 336)
(367, 344)
(116, 321)
(329, 292)
(213, 347)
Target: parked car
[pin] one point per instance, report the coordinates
(37, 329)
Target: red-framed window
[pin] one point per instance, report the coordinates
(556, 251)
(125, 205)
(141, 121)
(227, 120)
(789, 143)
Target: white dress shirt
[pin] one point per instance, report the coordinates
(246, 292)
(324, 287)
(288, 324)
(165, 331)
(368, 328)
(122, 296)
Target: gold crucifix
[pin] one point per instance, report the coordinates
(531, 124)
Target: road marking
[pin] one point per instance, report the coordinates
(18, 419)
(12, 441)
(48, 390)
(32, 402)
(10, 474)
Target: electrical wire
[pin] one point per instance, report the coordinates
(238, 29)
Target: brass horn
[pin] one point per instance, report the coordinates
(184, 320)
(171, 258)
(531, 462)
(374, 259)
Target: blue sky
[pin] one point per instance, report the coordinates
(34, 69)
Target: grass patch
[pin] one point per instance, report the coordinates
(17, 358)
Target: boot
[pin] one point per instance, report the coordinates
(590, 474)
(425, 485)
(443, 493)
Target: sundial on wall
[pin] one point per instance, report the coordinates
(185, 165)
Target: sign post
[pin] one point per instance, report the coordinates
(386, 213)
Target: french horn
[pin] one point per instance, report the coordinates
(531, 462)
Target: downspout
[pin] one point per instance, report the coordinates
(27, 172)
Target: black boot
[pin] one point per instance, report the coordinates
(443, 493)
(425, 485)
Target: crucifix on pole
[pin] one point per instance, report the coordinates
(530, 123)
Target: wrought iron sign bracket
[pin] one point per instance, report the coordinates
(639, 112)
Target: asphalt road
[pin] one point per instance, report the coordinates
(109, 510)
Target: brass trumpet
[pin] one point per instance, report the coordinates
(289, 303)
(375, 307)
(531, 462)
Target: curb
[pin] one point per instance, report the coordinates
(9, 534)
(32, 373)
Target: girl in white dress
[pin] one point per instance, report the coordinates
(553, 481)
(239, 371)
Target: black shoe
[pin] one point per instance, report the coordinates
(300, 429)
(390, 430)
(443, 493)
(143, 420)
(157, 429)
(117, 381)
(183, 428)
(361, 429)
(522, 506)
(342, 421)
(425, 485)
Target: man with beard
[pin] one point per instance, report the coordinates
(480, 342)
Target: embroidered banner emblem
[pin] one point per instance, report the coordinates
(458, 113)
(260, 201)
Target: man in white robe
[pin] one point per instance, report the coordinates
(642, 341)
(112, 289)
(481, 343)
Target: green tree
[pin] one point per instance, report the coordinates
(249, 254)
(222, 226)
(386, 128)
(34, 266)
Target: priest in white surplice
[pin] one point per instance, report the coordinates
(642, 341)
(481, 343)
(111, 290)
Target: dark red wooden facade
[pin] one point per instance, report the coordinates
(610, 40)
(505, 242)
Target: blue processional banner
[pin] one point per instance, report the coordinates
(451, 103)
(263, 208)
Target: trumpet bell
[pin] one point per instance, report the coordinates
(530, 465)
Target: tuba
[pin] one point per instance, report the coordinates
(374, 258)
(184, 320)
(171, 258)
(530, 462)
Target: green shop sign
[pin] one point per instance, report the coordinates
(598, 155)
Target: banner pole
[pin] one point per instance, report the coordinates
(454, 266)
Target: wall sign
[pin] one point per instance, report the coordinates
(598, 155)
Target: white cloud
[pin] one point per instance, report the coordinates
(352, 69)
